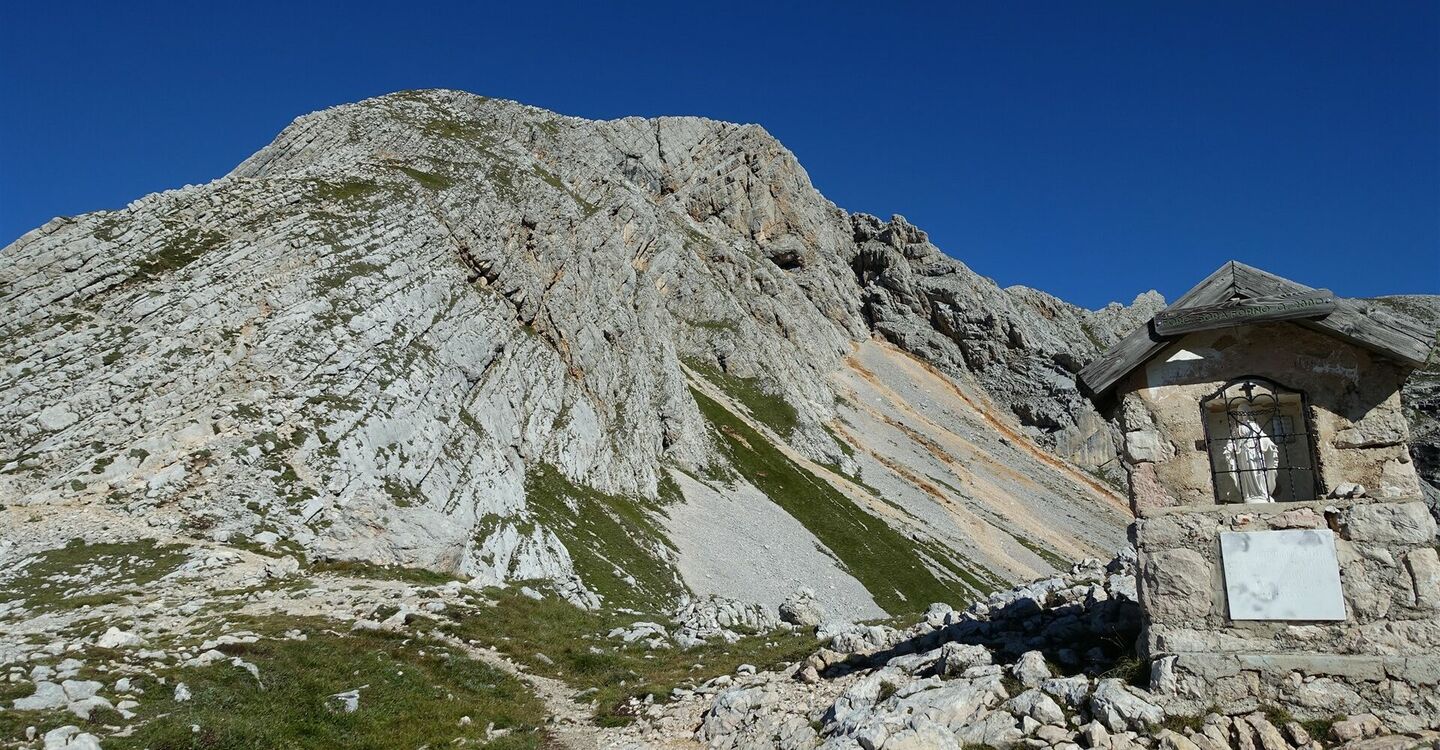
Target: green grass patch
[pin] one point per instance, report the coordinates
(1130, 668)
(440, 123)
(773, 411)
(344, 191)
(357, 569)
(1183, 724)
(574, 642)
(501, 174)
(1049, 556)
(402, 492)
(109, 228)
(953, 489)
(845, 447)
(429, 180)
(615, 542)
(835, 468)
(1319, 729)
(177, 251)
(413, 693)
(81, 574)
(280, 549)
(713, 325)
(550, 179)
(340, 275)
(890, 565)
(13, 723)
(669, 489)
(274, 459)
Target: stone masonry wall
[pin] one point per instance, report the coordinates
(1355, 409)
(1384, 658)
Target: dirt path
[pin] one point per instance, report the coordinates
(570, 726)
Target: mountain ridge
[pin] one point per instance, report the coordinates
(442, 330)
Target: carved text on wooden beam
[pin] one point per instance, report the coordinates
(1312, 303)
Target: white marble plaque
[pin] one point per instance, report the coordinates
(1282, 575)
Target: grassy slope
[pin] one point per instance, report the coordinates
(575, 649)
(414, 693)
(615, 542)
(888, 563)
(81, 574)
(771, 410)
(418, 688)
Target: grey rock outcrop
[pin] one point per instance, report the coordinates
(905, 691)
(802, 609)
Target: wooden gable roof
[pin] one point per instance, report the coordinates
(1356, 321)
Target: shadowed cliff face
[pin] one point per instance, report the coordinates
(443, 330)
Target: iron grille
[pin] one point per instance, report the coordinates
(1258, 437)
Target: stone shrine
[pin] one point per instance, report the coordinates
(1286, 556)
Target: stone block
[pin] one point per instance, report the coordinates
(1416, 670)
(1207, 667)
(1296, 733)
(1177, 585)
(1267, 736)
(1356, 727)
(1384, 742)
(1163, 680)
(1380, 428)
(1398, 478)
(1301, 518)
(1326, 697)
(1179, 640)
(1160, 532)
(1399, 637)
(1147, 446)
(1333, 665)
(1423, 565)
(1405, 523)
(1146, 490)
(1235, 694)
(1366, 597)
(1376, 553)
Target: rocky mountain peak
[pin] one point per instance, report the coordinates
(437, 329)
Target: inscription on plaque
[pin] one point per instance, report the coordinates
(1282, 575)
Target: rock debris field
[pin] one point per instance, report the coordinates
(134, 642)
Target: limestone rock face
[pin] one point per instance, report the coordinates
(447, 331)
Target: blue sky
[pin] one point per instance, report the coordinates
(1090, 149)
